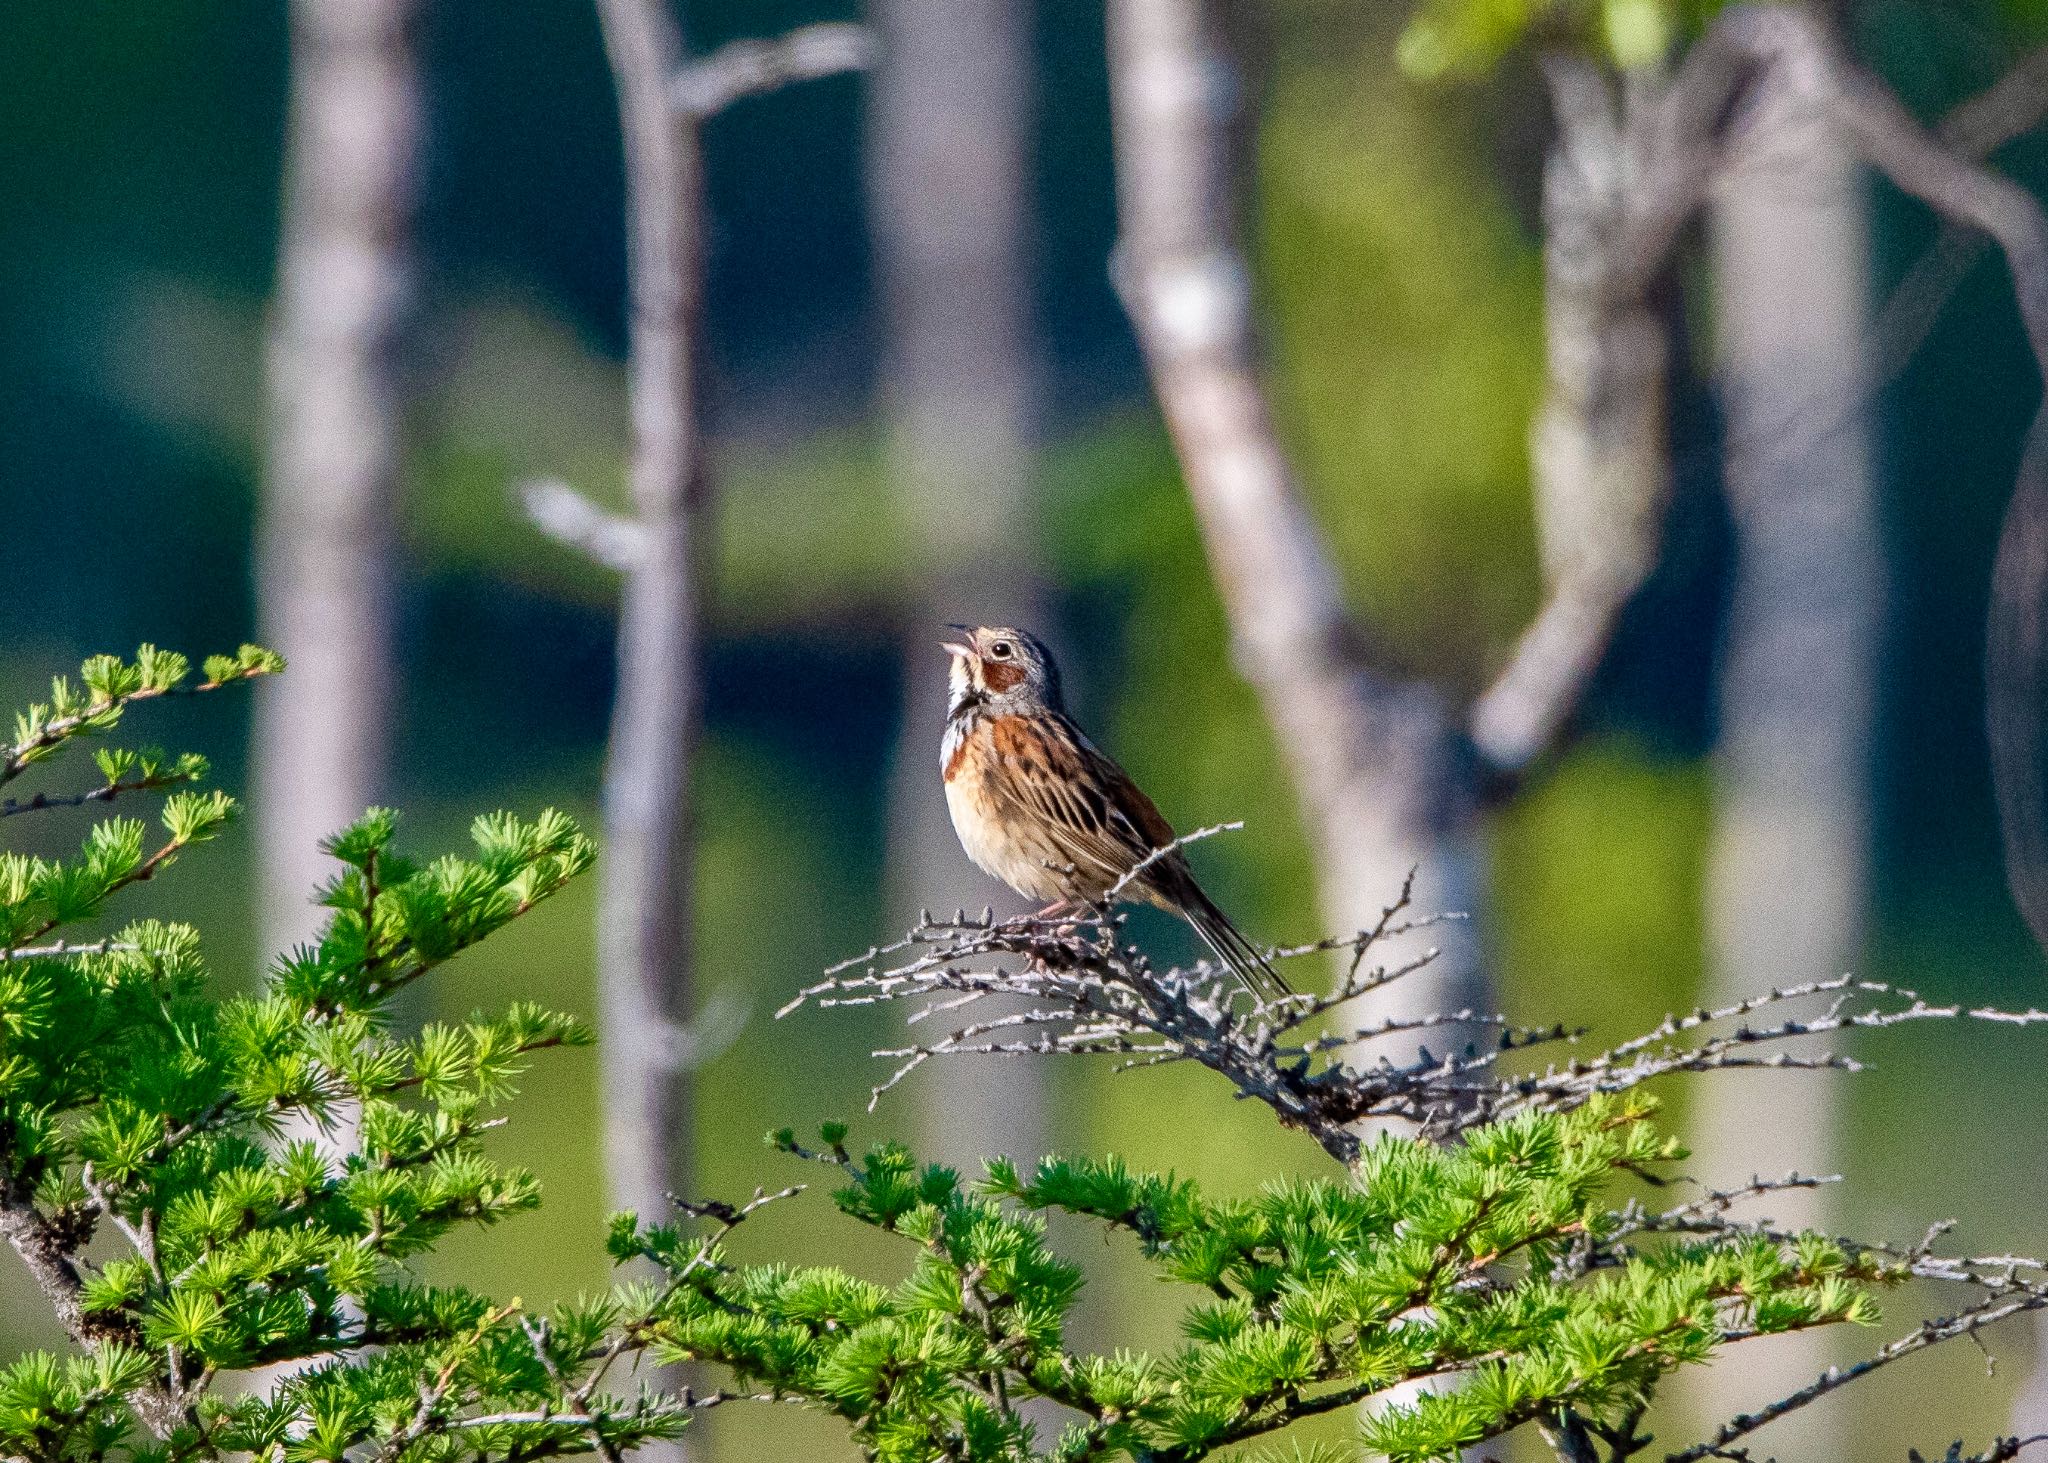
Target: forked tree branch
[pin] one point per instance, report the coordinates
(645, 954)
(1963, 191)
(1597, 450)
(1379, 771)
(1685, 127)
(49, 1247)
(1629, 172)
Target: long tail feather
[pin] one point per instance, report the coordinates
(1222, 937)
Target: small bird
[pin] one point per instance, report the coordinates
(1040, 807)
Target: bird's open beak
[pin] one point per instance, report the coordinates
(957, 647)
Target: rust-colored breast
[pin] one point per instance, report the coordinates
(961, 734)
(1017, 741)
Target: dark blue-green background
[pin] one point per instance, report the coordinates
(139, 157)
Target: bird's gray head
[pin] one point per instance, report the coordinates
(1003, 671)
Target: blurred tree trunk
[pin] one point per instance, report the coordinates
(1599, 456)
(950, 181)
(645, 957)
(326, 532)
(325, 537)
(1788, 862)
(645, 945)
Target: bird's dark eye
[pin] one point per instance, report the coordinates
(1001, 650)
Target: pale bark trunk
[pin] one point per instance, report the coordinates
(1380, 770)
(644, 935)
(1789, 856)
(645, 949)
(1598, 456)
(326, 532)
(950, 130)
(325, 539)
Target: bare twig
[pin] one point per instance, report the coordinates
(1165, 851)
(2002, 1450)
(1996, 1307)
(570, 519)
(1091, 994)
(632, 1335)
(143, 1239)
(65, 951)
(748, 68)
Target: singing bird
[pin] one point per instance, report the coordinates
(1040, 807)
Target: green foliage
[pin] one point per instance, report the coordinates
(107, 686)
(1454, 36)
(159, 1178)
(1404, 299)
(1468, 1262)
(133, 1099)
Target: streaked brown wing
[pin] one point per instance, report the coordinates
(1101, 821)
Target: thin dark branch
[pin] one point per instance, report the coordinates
(1928, 1333)
(142, 873)
(2002, 1450)
(106, 794)
(631, 1336)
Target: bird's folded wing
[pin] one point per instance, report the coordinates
(1100, 820)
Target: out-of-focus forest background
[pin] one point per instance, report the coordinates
(1397, 262)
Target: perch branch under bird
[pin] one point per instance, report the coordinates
(1087, 991)
(1077, 986)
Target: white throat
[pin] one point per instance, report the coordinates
(959, 687)
(963, 709)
